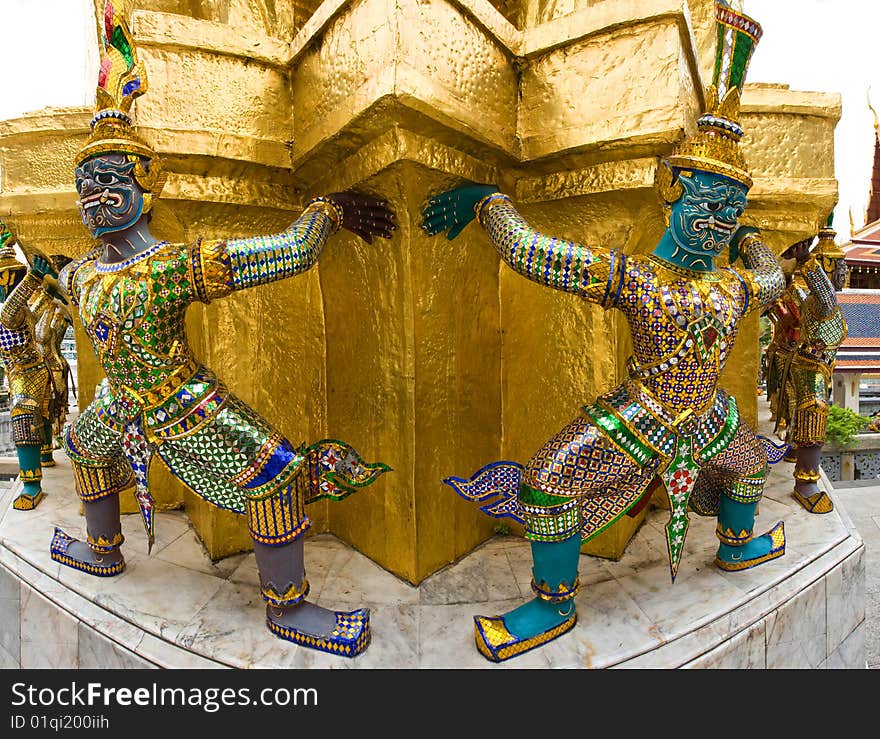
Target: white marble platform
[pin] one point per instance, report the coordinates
(177, 609)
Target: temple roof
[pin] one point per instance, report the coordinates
(860, 351)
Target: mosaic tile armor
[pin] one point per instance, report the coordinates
(683, 325)
(786, 334)
(804, 370)
(133, 311)
(668, 424)
(31, 391)
(157, 399)
(29, 378)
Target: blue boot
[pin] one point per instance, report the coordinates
(549, 615)
(738, 549)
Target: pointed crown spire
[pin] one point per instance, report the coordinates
(715, 146)
(121, 79)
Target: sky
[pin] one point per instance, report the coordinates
(812, 45)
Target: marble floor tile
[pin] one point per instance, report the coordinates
(49, 635)
(247, 573)
(845, 594)
(9, 661)
(100, 653)
(860, 502)
(797, 631)
(590, 569)
(872, 566)
(42, 621)
(232, 624)
(850, 654)
(143, 595)
(10, 625)
(165, 654)
(10, 611)
(697, 595)
(168, 527)
(36, 655)
(610, 628)
(9, 585)
(360, 580)
(187, 551)
(646, 549)
(447, 638)
(483, 575)
(745, 651)
(323, 555)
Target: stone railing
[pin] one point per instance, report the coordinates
(858, 460)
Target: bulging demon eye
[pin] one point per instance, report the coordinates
(713, 207)
(105, 178)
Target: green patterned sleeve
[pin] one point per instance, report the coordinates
(221, 267)
(593, 273)
(763, 279)
(821, 289)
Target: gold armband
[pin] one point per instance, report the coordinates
(329, 208)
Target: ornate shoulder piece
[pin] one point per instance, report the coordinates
(209, 269)
(67, 275)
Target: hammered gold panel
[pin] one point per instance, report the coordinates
(785, 145)
(413, 356)
(446, 66)
(574, 97)
(212, 92)
(426, 56)
(351, 68)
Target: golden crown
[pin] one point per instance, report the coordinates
(826, 246)
(121, 79)
(715, 146)
(8, 259)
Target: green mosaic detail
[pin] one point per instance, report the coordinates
(679, 477)
(742, 51)
(553, 527)
(262, 259)
(208, 458)
(538, 498)
(725, 435)
(617, 431)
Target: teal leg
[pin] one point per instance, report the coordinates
(542, 619)
(738, 550)
(31, 477)
(554, 564)
(46, 458)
